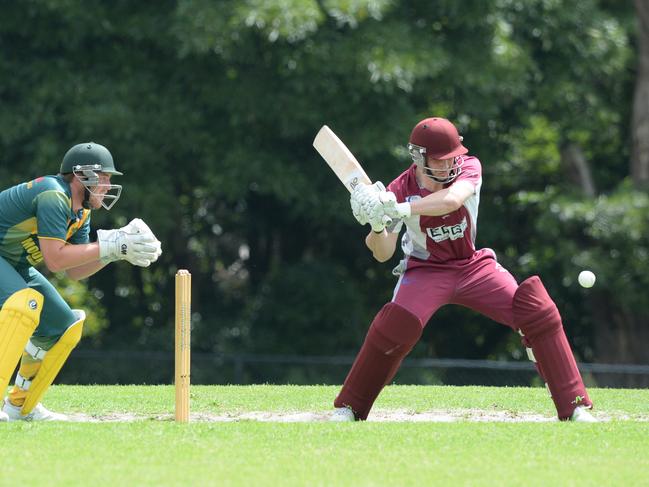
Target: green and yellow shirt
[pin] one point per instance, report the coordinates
(41, 208)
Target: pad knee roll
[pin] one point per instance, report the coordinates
(395, 330)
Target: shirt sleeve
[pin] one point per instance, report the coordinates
(471, 171)
(52, 214)
(82, 235)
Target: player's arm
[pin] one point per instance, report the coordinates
(135, 243)
(382, 244)
(60, 256)
(438, 203)
(444, 201)
(85, 270)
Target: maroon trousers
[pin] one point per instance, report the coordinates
(479, 283)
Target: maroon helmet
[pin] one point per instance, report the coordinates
(437, 138)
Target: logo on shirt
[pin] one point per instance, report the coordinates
(34, 255)
(443, 232)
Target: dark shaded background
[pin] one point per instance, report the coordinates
(210, 108)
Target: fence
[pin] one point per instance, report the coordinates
(132, 367)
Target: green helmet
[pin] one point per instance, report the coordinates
(87, 154)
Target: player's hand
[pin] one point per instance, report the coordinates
(367, 205)
(137, 225)
(130, 243)
(370, 191)
(392, 208)
(356, 202)
(376, 215)
(388, 198)
(362, 198)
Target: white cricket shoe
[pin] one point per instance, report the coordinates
(3, 416)
(39, 413)
(341, 415)
(581, 414)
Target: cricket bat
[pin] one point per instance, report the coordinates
(341, 161)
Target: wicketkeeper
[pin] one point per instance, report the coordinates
(48, 220)
(436, 199)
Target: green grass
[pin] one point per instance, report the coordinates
(154, 452)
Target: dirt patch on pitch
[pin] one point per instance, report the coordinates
(398, 416)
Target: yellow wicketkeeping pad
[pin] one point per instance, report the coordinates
(19, 318)
(51, 365)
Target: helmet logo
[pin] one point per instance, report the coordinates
(33, 305)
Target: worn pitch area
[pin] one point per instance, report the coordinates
(433, 416)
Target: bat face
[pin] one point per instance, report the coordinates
(340, 159)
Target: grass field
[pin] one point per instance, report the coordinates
(125, 436)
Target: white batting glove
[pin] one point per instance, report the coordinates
(369, 205)
(376, 216)
(394, 209)
(356, 202)
(369, 191)
(388, 198)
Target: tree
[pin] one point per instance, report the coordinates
(210, 109)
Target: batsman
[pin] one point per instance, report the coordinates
(47, 220)
(436, 199)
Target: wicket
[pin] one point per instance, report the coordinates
(183, 343)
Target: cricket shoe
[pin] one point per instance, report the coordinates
(581, 414)
(39, 413)
(342, 415)
(3, 416)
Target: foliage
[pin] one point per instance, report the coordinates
(210, 109)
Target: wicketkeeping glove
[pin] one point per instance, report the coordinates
(140, 227)
(131, 243)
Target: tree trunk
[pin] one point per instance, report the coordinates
(621, 337)
(578, 169)
(640, 117)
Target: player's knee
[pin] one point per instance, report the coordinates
(395, 330)
(25, 301)
(71, 340)
(38, 346)
(535, 313)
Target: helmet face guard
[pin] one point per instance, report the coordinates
(443, 175)
(88, 175)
